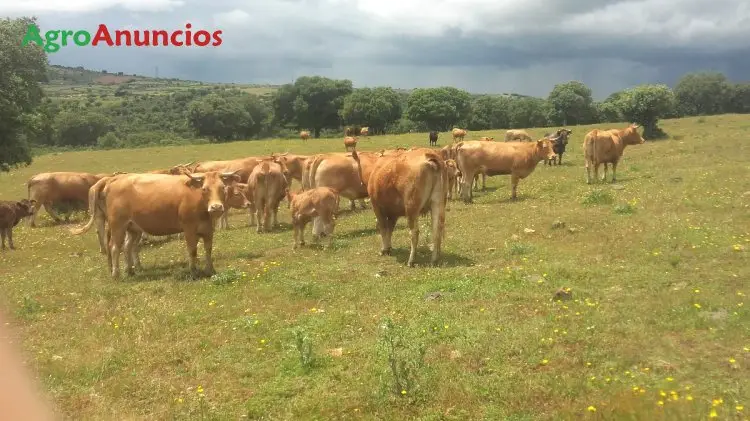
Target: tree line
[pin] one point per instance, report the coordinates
(324, 106)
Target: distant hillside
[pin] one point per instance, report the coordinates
(70, 81)
(63, 81)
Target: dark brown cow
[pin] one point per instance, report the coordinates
(11, 214)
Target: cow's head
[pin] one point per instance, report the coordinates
(236, 196)
(214, 188)
(562, 136)
(24, 208)
(544, 148)
(631, 135)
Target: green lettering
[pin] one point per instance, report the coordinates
(65, 35)
(50, 37)
(86, 38)
(32, 35)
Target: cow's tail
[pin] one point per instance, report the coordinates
(94, 208)
(355, 155)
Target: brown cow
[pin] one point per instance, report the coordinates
(294, 164)
(454, 176)
(409, 184)
(606, 147)
(340, 172)
(176, 170)
(518, 135)
(266, 188)
(11, 214)
(458, 134)
(47, 189)
(365, 131)
(304, 135)
(236, 199)
(318, 205)
(159, 204)
(243, 166)
(350, 143)
(519, 159)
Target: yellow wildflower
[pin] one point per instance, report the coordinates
(713, 414)
(591, 408)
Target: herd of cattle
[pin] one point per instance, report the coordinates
(192, 199)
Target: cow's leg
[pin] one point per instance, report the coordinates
(466, 182)
(588, 171)
(51, 212)
(606, 167)
(259, 217)
(353, 205)
(295, 226)
(559, 158)
(191, 241)
(9, 234)
(514, 179)
(251, 211)
(137, 251)
(302, 227)
(437, 214)
(362, 204)
(413, 223)
(34, 212)
(382, 226)
(208, 247)
(267, 211)
(116, 240)
(614, 171)
(2, 236)
(596, 171)
(484, 181)
(275, 215)
(128, 249)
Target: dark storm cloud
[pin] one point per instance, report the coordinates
(478, 45)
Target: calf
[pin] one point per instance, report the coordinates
(236, 199)
(454, 176)
(318, 205)
(408, 184)
(11, 214)
(606, 147)
(265, 190)
(433, 138)
(304, 135)
(519, 159)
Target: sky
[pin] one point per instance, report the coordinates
(482, 46)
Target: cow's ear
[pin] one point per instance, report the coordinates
(194, 181)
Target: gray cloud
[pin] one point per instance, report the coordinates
(501, 46)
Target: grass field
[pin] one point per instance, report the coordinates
(658, 326)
